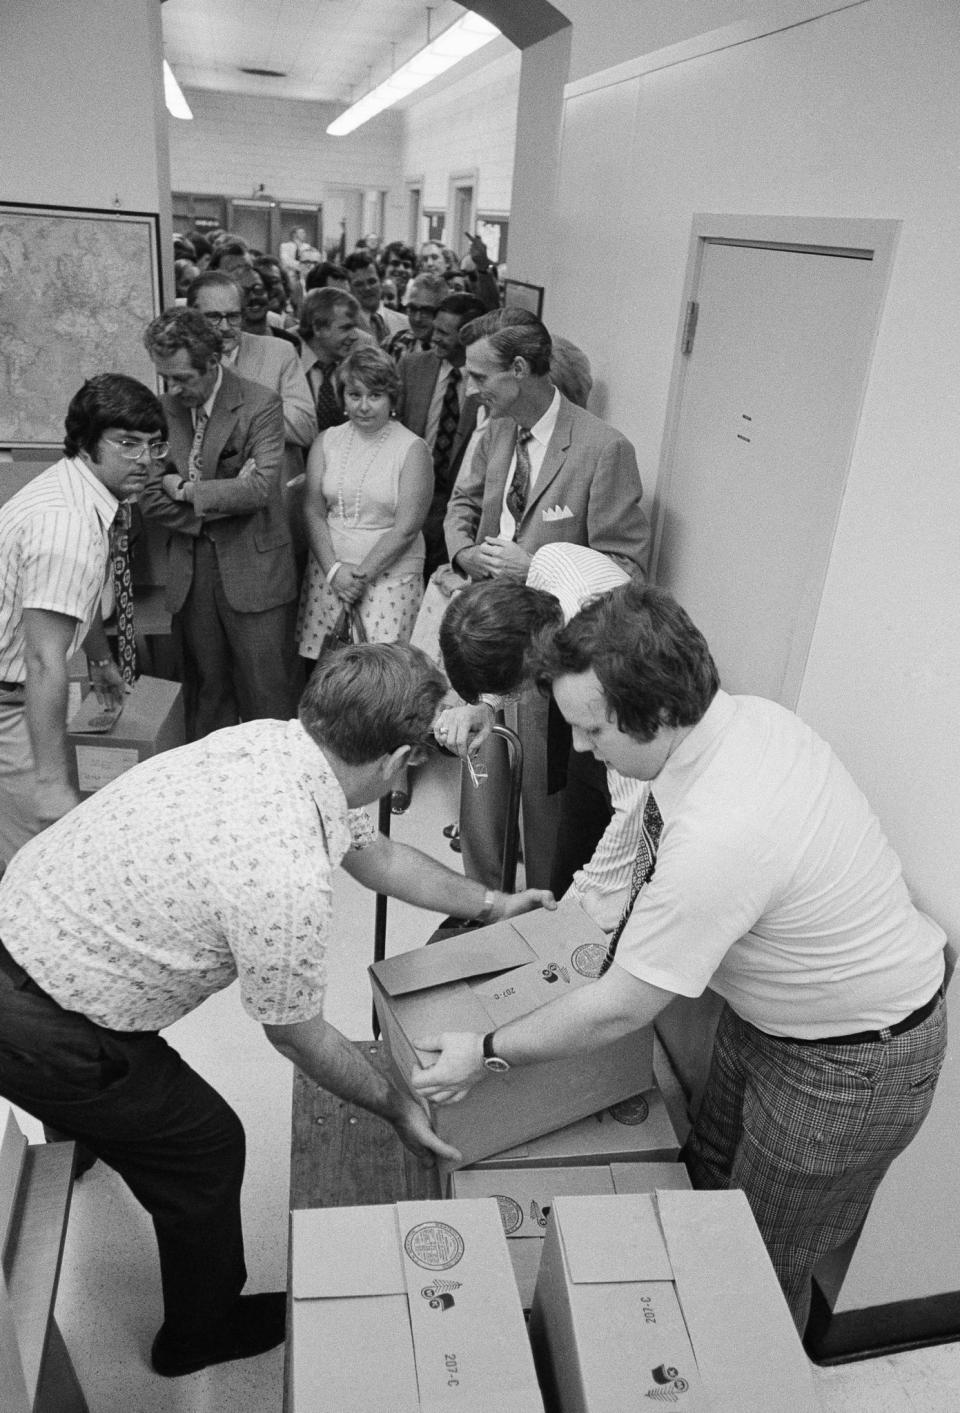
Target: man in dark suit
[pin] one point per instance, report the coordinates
(433, 403)
(544, 470)
(230, 581)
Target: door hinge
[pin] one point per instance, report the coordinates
(689, 328)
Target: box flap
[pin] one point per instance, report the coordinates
(745, 1341)
(487, 950)
(649, 1177)
(525, 1196)
(567, 930)
(607, 1239)
(345, 1251)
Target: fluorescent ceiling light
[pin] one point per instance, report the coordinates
(177, 105)
(466, 36)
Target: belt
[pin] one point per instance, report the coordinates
(867, 1037)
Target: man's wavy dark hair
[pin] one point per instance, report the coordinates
(652, 662)
(487, 632)
(365, 701)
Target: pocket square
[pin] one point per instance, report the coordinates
(558, 512)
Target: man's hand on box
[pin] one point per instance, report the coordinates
(412, 1125)
(457, 1068)
(525, 902)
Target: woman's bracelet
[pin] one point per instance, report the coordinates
(332, 571)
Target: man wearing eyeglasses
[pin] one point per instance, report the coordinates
(55, 555)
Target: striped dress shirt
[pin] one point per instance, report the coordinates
(54, 555)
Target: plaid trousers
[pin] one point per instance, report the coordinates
(808, 1132)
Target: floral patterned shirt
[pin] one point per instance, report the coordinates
(203, 864)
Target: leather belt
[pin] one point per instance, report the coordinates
(867, 1037)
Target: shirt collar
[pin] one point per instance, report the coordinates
(106, 505)
(671, 781)
(542, 431)
(208, 405)
(323, 787)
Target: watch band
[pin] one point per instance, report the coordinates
(492, 1061)
(489, 898)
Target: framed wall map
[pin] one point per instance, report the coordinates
(77, 289)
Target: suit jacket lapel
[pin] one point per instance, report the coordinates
(554, 456)
(222, 421)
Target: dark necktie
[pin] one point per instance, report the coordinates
(195, 459)
(520, 486)
(123, 591)
(643, 867)
(447, 426)
(329, 411)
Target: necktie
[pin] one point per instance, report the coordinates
(329, 411)
(447, 426)
(643, 867)
(520, 486)
(195, 459)
(123, 591)
(378, 326)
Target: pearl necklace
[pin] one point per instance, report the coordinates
(344, 464)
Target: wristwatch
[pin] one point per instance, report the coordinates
(493, 1062)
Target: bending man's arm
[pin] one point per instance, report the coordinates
(332, 1061)
(47, 638)
(401, 872)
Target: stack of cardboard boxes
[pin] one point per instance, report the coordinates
(570, 1204)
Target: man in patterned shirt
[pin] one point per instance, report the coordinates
(204, 865)
(54, 554)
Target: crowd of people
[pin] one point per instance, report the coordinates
(326, 469)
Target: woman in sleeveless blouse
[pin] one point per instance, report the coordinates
(369, 484)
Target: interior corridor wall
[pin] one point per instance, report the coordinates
(235, 142)
(469, 125)
(853, 114)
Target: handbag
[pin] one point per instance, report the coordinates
(347, 629)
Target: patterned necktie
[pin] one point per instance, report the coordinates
(520, 486)
(329, 411)
(447, 426)
(643, 867)
(123, 591)
(378, 327)
(195, 459)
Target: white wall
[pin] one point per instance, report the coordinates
(854, 114)
(233, 143)
(82, 120)
(469, 124)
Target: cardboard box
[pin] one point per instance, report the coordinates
(151, 721)
(525, 1197)
(481, 980)
(668, 1299)
(407, 1309)
(635, 1130)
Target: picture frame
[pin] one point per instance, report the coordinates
(79, 287)
(518, 294)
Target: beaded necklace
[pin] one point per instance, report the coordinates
(344, 464)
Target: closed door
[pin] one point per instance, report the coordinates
(761, 442)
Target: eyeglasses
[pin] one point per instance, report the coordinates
(215, 316)
(133, 451)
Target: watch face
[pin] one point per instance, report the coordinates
(494, 1063)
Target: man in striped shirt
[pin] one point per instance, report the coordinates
(54, 559)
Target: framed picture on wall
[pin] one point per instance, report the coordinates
(79, 288)
(517, 294)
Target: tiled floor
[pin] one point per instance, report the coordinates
(109, 1305)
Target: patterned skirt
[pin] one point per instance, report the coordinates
(388, 609)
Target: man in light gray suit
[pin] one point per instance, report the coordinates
(262, 359)
(544, 470)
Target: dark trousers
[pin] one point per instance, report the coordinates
(131, 1099)
(236, 666)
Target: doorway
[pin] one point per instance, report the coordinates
(780, 321)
